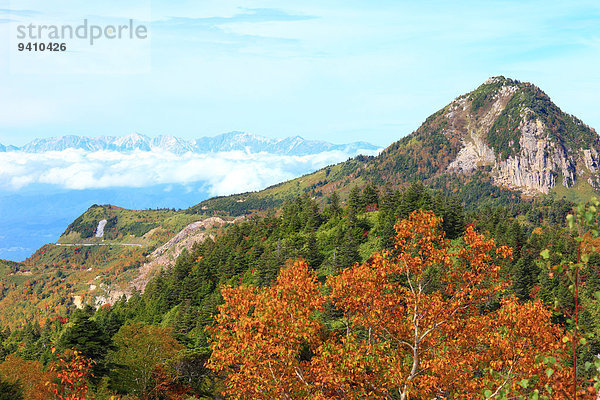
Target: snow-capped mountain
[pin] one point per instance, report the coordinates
(294, 146)
(7, 148)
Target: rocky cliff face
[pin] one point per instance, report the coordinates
(473, 129)
(536, 167)
(525, 140)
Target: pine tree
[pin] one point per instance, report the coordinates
(355, 201)
(389, 200)
(311, 251)
(370, 196)
(348, 250)
(414, 198)
(87, 337)
(334, 209)
(451, 211)
(525, 277)
(311, 216)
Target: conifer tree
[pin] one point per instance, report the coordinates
(355, 204)
(311, 251)
(88, 338)
(334, 209)
(370, 196)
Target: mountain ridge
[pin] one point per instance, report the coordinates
(506, 129)
(503, 139)
(230, 141)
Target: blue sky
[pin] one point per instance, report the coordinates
(335, 70)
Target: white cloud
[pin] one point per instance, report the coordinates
(223, 173)
(13, 249)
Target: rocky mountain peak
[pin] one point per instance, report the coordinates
(508, 130)
(526, 140)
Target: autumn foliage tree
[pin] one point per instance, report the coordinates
(72, 371)
(30, 374)
(144, 362)
(426, 320)
(262, 338)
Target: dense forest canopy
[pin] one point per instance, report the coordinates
(369, 268)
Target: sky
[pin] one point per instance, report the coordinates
(339, 71)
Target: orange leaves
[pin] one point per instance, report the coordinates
(30, 374)
(416, 323)
(72, 370)
(419, 242)
(504, 346)
(363, 293)
(259, 335)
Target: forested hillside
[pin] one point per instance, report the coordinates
(172, 317)
(460, 263)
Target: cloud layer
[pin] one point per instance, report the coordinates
(223, 173)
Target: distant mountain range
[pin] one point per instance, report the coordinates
(242, 141)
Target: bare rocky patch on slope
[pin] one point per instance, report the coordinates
(166, 255)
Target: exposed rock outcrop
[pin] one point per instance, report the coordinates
(537, 165)
(475, 151)
(590, 160)
(110, 295)
(166, 255)
(542, 159)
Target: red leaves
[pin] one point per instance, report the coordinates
(165, 387)
(414, 323)
(72, 371)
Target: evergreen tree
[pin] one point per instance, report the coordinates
(86, 336)
(389, 200)
(184, 320)
(385, 229)
(311, 216)
(451, 211)
(414, 198)
(29, 337)
(334, 209)
(370, 196)
(355, 204)
(348, 250)
(525, 277)
(515, 238)
(311, 251)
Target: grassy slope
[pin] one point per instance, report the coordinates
(146, 227)
(319, 184)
